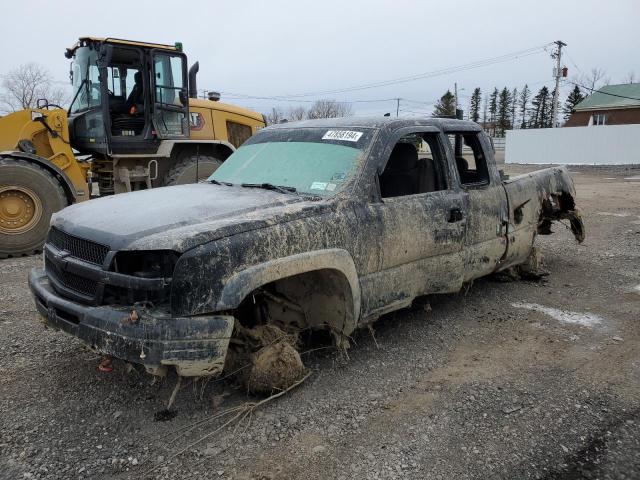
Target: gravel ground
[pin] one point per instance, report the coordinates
(501, 381)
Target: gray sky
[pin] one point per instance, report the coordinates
(276, 48)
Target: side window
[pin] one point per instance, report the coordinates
(170, 115)
(168, 71)
(113, 81)
(598, 119)
(470, 159)
(414, 166)
(94, 86)
(238, 133)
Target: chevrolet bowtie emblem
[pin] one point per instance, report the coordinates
(61, 259)
(62, 254)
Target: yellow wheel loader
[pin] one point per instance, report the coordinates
(134, 122)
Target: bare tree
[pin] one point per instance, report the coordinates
(274, 116)
(329, 109)
(594, 80)
(296, 113)
(22, 87)
(523, 105)
(630, 77)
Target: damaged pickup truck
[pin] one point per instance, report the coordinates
(322, 224)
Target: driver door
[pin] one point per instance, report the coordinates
(420, 222)
(171, 103)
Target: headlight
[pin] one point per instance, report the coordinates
(146, 264)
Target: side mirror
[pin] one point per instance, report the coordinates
(182, 94)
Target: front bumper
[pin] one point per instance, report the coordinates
(195, 346)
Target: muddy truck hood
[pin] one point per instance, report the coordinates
(176, 218)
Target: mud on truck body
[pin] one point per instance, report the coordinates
(322, 224)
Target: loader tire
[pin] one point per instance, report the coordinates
(29, 195)
(192, 169)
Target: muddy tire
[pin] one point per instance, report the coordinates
(192, 169)
(29, 195)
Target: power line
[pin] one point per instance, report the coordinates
(420, 76)
(402, 110)
(603, 93)
(281, 99)
(574, 63)
(418, 102)
(410, 107)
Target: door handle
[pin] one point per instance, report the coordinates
(455, 215)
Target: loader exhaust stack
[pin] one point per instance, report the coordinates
(193, 85)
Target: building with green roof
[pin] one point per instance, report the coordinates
(610, 105)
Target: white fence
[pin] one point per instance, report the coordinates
(600, 145)
(498, 142)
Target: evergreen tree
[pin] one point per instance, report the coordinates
(574, 98)
(503, 120)
(493, 109)
(523, 105)
(540, 114)
(474, 108)
(514, 107)
(446, 106)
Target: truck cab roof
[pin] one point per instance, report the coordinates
(383, 122)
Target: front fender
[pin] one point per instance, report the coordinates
(242, 283)
(71, 191)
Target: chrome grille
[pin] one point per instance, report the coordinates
(83, 249)
(72, 281)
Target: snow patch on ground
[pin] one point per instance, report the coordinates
(585, 319)
(611, 214)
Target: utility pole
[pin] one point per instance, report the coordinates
(558, 73)
(397, 107)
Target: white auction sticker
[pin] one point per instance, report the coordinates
(318, 186)
(345, 135)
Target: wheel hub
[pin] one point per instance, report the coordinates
(20, 209)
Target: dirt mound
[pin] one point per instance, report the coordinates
(265, 358)
(274, 368)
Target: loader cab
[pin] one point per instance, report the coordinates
(127, 96)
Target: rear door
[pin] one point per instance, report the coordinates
(524, 214)
(171, 102)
